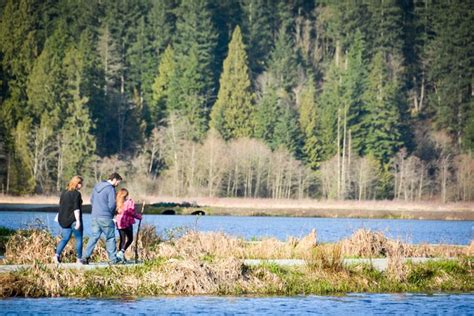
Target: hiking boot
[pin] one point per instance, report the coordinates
(120, 255)
(85, 260)
(56, 259)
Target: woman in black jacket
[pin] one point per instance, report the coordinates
(70, 218)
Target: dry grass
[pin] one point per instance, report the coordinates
(396, 268)
(196, 277)
(37, 245)
(369, 244)
(470, 249)
(387, 205)
(271, 248)
(325, 258)
(177, 277)
(148, 241)
(365, 243)
(201, 244)
(29, 246)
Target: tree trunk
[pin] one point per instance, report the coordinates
(8, 172)
(60, 165)
(343, 165)
(338, 192)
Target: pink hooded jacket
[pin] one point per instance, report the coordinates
(126, 216)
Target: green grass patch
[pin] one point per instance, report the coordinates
(5, 231)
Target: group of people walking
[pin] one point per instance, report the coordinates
(110, 210)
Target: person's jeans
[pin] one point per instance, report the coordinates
(99, 226)
(66, 235)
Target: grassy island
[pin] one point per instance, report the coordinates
(190, 263)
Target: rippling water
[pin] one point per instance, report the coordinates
(328, 229)
(356, 304)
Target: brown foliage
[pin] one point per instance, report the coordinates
(29, 246)
(192, 276)
(396, 266)
(365, 243)
(199, 244)
(325, 258)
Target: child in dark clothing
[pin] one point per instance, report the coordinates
(125, 219)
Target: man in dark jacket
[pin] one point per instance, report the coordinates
(103, 211)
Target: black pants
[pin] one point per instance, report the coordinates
(126, 238)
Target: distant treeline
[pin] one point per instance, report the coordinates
(253, 98)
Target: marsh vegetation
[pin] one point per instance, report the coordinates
(187, 262)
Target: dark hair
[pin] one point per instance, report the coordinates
(116, 176)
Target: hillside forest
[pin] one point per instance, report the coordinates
(251, 98)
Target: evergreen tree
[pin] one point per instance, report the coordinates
(125, 100)
(92, 87)
(287, 131)
(267, 113)
(258, 19)
(386, 27)
(19, 48)
(354, 86)
(22, 180)
(226, 15)
(77, 143)
(308, 121)
(283, 64)
(233, 113)
(382, 121)
(449, 54)
(330, 109)
(161, 85)
(46, 89)
(185, 96)
(191, 92)
(195, 30)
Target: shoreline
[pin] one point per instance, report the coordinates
(320, 212)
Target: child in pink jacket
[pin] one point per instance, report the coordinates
(125, 219)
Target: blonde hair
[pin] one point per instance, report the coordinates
(72, 185)
(120, 199)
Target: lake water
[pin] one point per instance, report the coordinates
(328, 229)
(353, 304)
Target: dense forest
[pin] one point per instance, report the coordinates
(250, 98)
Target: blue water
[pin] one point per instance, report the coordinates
(356, 304)
(328, 229)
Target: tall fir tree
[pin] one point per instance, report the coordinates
(329, 108)
(185, 95)
(258, 33)
(267, 113)
(159, 28)
(450, 48)
(161, 85)
(386, 30)
(382, 119)
(77, 142)
(354, 86)
(233, 114)
(283, 63)
(308, 121)
(195, 30)
(287, 133)
(193, 89)
(19, 46)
